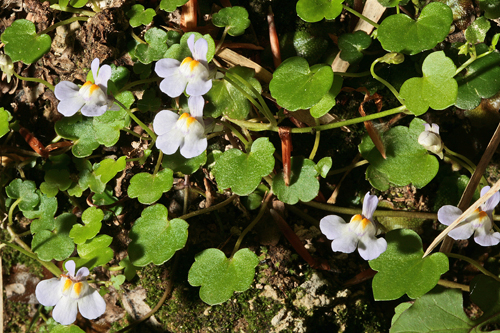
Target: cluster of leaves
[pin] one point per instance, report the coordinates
(458, 76)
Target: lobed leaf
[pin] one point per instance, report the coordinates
(92, 218)
(148, 188)
(24, 190)
(5, 118)
(138, 16)
(55, 243)
(155, 48)
(351, 45)
(94, 252)
(22, 43)
(316, 10)
(235, 19)
(171, 5)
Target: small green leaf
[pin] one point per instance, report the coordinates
(117, 281)
(119, 78)
(328, 101)
(138, 16)
(296, 86)
(143, 70)
(5, 118)
(149, 188)
(316, 10)
(219, 277)
(443, 312)
(476, 32)
(92, 218)
(67, 329)
(81, 131)
(324, 165)
(24, 190)
(402, 270)
(407, 161)
(181, 50)
(155, 48)
(235, 19)
(399, 33)
(108, 168)
(43, 214)
(254, 199)
(107, 198)
(55, 180)
(186, 166)
(78, 3)
(303, 183)
(393, 3)
(491, 8)
(352, 44)
(171, 5)
(129, 269)
(225, 99)
(107, 127)
(154, 238)
(56, 243)
(87, 177)
(436, 89)
(94, 252)
(480, 80)
(22, 43)
(243, 172)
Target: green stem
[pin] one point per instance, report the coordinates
(364, 18)
(114, 268)
(32, 79)
(461, 163)
(158, 163)
(337, 171)
(384, 82)
(11, 210)
(316, 142)
(238, 134)
(254, 222)
(137, 120)
(47, 264)
(73, 10)
(68, 21)
(268, 127)
(137, 38)
(126, 130)
(135, 83)
(224, 33)
(473, 263)
(453, 285)
(209, 209)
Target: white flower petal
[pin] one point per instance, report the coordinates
(462, 231)
(167, 67)
(173, 85)
(190, 43)
(169, 142)
(82, 272)
(434, 128)
(103, 76)
(196, 104)
(70, 267)
(195, 141)
(94, 110)
(92, 305)
(492, 202)
(65, 311)
(66, 90)
(164, 121)
(48, 292)
(484, 190)
(332, 226)
(487, 239)
(369, 205)
(200, 49)
(370, 248)
(346, 244)
(198, 87)
(448, 214)
(94, 67)
(69, 107)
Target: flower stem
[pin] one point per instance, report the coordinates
(337, 171)
(209, 209)
(473, 263)
(454, 285)
(238, 134)
(137, 120)
(11, 210)
(364, 18)
(33, 79)
(68, 21)
(73, 10)
(224, 33)
(316, 142)
(158, 163)
(384, 82)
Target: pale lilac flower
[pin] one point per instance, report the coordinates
(360, 232)
(70, 293)
(91, 98)
(186, 131)
(191, 74)
(431, 140)
(6, 66)
(479, 222)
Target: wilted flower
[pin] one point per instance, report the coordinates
(70, 293)
(6, 66)
(185, 131)
(431, 140)
(190, 74)
(479, 222)
(360, 232)
(91, 98)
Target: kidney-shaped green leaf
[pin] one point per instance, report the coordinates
(399, 33)
(402, 270)
(352, 44)
(219, 277)
(138, 16)
(171, 5)
(296, 86)
(24, 191)
(303, 183)
(148, 188)
(80, 130)
(407, 161)
(22, 42)
(436, 89)
(235, 19)
(55, 243)
(92, 218)
(316, 10)
(155, 48)
(243, 172)
(154, 238)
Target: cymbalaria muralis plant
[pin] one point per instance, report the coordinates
(142, 146)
